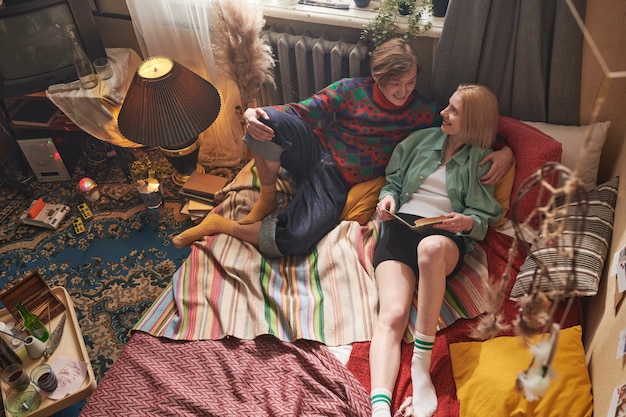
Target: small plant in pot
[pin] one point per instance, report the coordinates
(147, 177)
(406, 7)
(385, 25)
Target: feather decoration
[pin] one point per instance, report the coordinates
(535, 381)
(489, 326)
(535, 313)
(541, 351)
(493, 322)
(240, 49)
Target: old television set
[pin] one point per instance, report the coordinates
(34, 44)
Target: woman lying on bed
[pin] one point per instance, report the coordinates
(433, 172)
(368, 118)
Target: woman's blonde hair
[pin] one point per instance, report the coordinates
(392, 60)
(479, 115)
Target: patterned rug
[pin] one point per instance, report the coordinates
(117, 267)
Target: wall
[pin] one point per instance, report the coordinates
(605, 20)
(117, 33)
(114, 25)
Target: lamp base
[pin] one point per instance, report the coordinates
(179, 178)
(184, 161)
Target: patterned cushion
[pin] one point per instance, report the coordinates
(591, 252)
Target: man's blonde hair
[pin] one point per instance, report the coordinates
(393, 59)
(479, 115)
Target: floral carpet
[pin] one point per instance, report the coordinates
(117, 266)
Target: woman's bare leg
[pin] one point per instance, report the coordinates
(396, 286)
(436, 258)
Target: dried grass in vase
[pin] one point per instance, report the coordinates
(240, 49)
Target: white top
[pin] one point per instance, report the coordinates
(431, 198)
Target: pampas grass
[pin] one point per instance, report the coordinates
(239, 48)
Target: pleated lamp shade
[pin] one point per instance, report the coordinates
(167, 105)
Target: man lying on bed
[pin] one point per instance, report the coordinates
(366, 118)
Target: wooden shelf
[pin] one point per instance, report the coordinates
(60, 123)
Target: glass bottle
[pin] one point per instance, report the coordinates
(32, 323)
(84, 70)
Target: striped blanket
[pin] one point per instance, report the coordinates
(227, 288)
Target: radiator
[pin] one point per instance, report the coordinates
(306, 64)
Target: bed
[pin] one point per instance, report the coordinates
(237, 334)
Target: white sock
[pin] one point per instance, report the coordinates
(381, 402)
(424, 395)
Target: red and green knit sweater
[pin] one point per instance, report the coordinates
(359, 132)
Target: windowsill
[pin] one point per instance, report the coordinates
(354, 17)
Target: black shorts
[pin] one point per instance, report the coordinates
(399, 243)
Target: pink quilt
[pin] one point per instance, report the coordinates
(230, 377)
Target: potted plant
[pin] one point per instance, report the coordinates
(385, 25)
(406, 7)
(147, 177)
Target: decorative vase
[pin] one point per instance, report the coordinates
(440, 7)
(362, 3)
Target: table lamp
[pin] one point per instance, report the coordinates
(168, 106)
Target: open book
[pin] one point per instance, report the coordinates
(420, 225)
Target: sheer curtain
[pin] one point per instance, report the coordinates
(529, 52)
(180, 30)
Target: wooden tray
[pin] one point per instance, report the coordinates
(32, 290)
(71, 346)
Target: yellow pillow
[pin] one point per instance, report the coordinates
(502, 193)
(485, 373)
(362, 200)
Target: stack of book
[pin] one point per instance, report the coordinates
(196, 209)
(199, 191)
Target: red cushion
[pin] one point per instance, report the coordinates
(532, 149)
